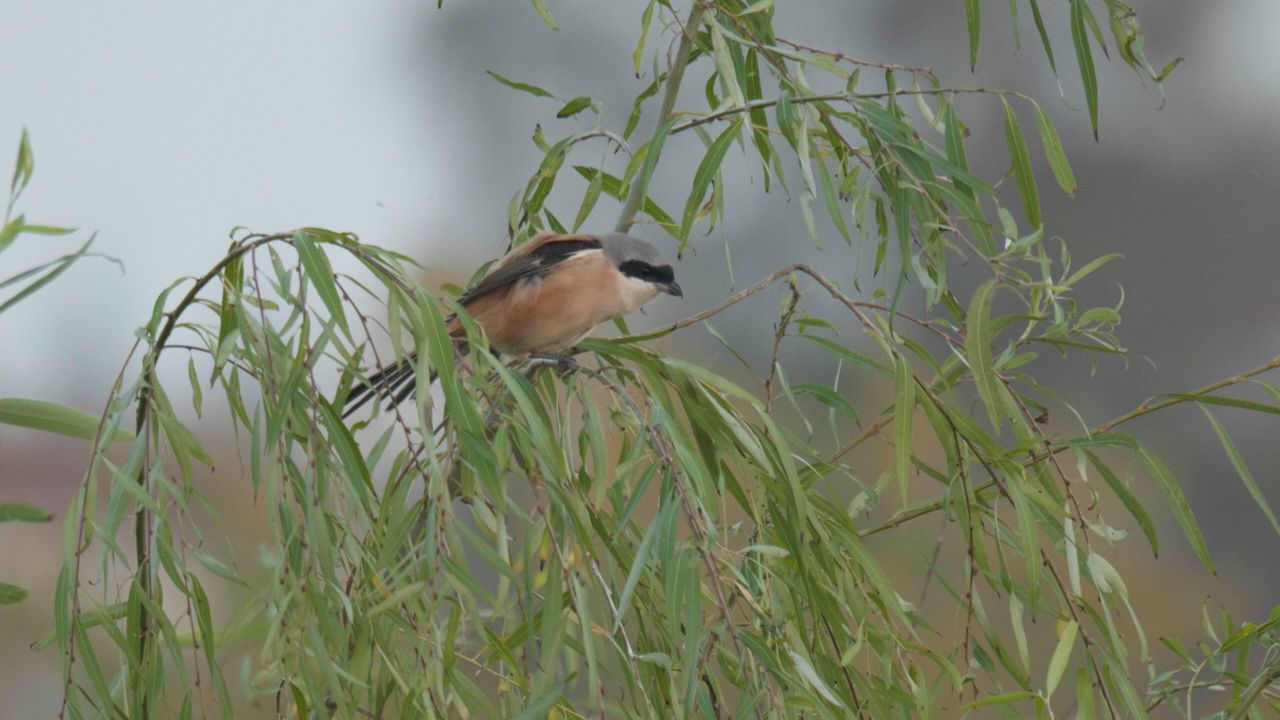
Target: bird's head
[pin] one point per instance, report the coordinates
(645, 272)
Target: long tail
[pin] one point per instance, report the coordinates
(394, 383)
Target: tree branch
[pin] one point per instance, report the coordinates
(640, 188)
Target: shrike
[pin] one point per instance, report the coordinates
(545, 296)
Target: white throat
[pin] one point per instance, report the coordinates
(635, 293)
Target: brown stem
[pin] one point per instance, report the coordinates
(142, 523)
(640, 188)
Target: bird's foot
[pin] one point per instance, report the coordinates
(564, 364)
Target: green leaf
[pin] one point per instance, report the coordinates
(594, 185)
(10, 232)
(522, 87)
(1181, 508)
(903, 407)
(47, 229)
(1000, 699)
(973, 21)
(707, 170)
(10, 594)
(18, 512)
(545, 14)
(827, 397)
(54, 418)
(612, 187)
(1092, 265)
(1241, 468)
(574, 106)
(1044, 35)
(654, 149)
(22, 167)
(1168, 68)
(1225, 402)
(645, 19)
(1084, 59)
(1061, 654)
(977, 345)
(1019, 631)
(1030, 540)
(1021, 161)
(59, 266)
(396, 597)
(197, 395)
(1130, 502)
(316, 266)
(1053, 151)
(217, 567)
(637, 568)
(848, 355)
(811, 675)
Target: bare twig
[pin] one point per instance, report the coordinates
(838, 56)
(640, 187)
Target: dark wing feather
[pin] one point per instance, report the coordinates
(535, 263)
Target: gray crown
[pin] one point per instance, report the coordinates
(620, 248)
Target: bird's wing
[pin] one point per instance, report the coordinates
(534, 259)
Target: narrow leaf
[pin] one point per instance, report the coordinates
(1053, 151)
(574, 106)
(904, 404)
(316, 266)
(973, 20)
(1021, 165)
(522, 87)
(60, 267)
(1241, 468)
(1084, 59)
(707, 170)
(545, 14)
(18, 512)
(10, 594)
(1181, 508)
(54, 418)
(978, 335)
(1062, 653)
(1044, 35)
(1130, 502)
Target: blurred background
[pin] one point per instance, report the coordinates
(161, 127)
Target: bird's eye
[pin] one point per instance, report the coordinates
(641, 270)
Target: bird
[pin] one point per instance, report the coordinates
(542, 298)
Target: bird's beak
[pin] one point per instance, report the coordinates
(673, 288)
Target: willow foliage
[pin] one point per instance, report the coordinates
(632, 534)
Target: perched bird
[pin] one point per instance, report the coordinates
(545, 296)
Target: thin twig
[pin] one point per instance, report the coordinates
(835, 97)
(838, 56)
(640, 187)
(765, 283)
